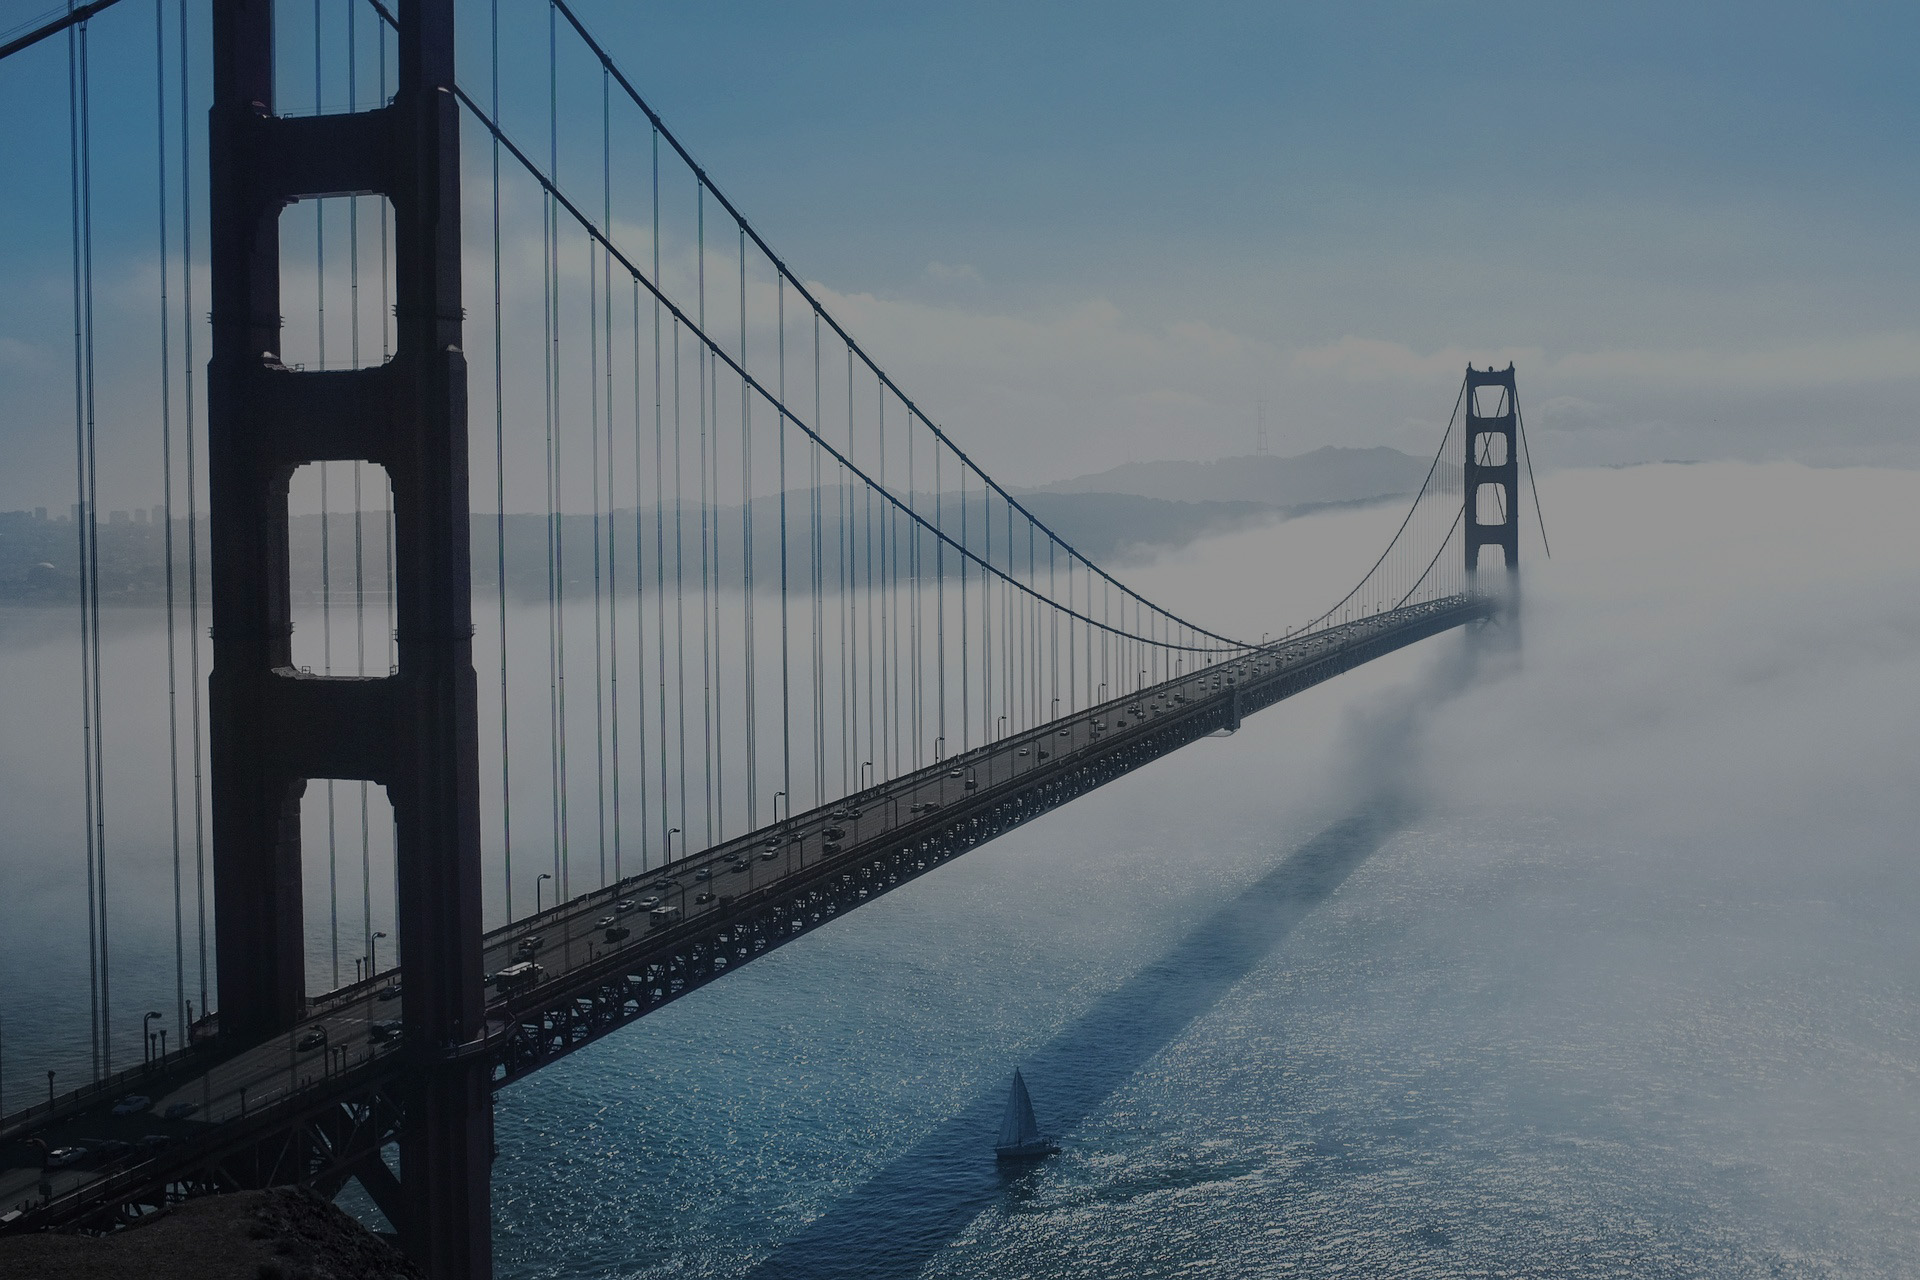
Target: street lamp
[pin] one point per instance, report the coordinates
(544, 875)
(1003, 726)
(147, 1036)
(940, 746)
(671, 833)
(776, 806)
(865, 776)
(373, 952)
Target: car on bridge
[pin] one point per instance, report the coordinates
(618, 933)
(180, 1110)
(515, 976)
(61, 1157)
(383, 1031)
(132, 1105)
(530, 944)
(663, 916)
(623, 906)
(647, 903)
(314, 1039)
(389, 992)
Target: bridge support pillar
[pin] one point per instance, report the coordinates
(1492, 490)
(416, 730)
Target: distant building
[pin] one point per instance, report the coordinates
(116, 517)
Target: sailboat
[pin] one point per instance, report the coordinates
(1020, 1137)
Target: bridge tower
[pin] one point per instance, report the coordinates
(1492, 473)
(414, 731)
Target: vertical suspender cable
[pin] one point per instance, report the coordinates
(786, 668)
(613, 576)
(707, 607)
(593, 495)
(166, 507)
(326, 567)
(193, 518)
(816, 551)
(639, 578)
(359, 532)
(660, 516)
(746, 550)
(93, 713)
(500, 492)
(679, 589)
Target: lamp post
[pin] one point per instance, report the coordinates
(940, 746)
(1003, 726)
(373, 953)
(671, 833)
(776, 806)
(537, 886)
(865, 774)
(147, 1036)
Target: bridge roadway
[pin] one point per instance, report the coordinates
(723, 906)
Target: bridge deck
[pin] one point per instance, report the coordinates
(733, 902)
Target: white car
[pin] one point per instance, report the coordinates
(132, 1105)
(61, 1157)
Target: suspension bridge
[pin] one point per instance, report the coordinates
(828, 652)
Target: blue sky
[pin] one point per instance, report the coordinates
(1080, 232)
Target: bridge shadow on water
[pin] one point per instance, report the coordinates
(921, 1201)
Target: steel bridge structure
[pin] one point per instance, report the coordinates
(912, 611)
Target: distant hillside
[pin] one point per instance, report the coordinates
(1329, 475)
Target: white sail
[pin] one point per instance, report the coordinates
(1017, 1125)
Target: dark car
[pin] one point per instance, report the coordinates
(530, 944)
(390, 991)
(702, 898)
(704, 873)
(314, 1039)
(618, 933)
(383, 1031)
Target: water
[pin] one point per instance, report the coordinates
(1599, 963)
(1599, 966)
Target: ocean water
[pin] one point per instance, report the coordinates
(1590, 960)
(1593, 961)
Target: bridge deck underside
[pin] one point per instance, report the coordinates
(281, 1112)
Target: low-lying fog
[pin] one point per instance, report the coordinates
(1623, 979)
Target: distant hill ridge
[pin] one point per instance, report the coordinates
(1326, 475)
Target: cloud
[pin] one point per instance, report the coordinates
(942, 274)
